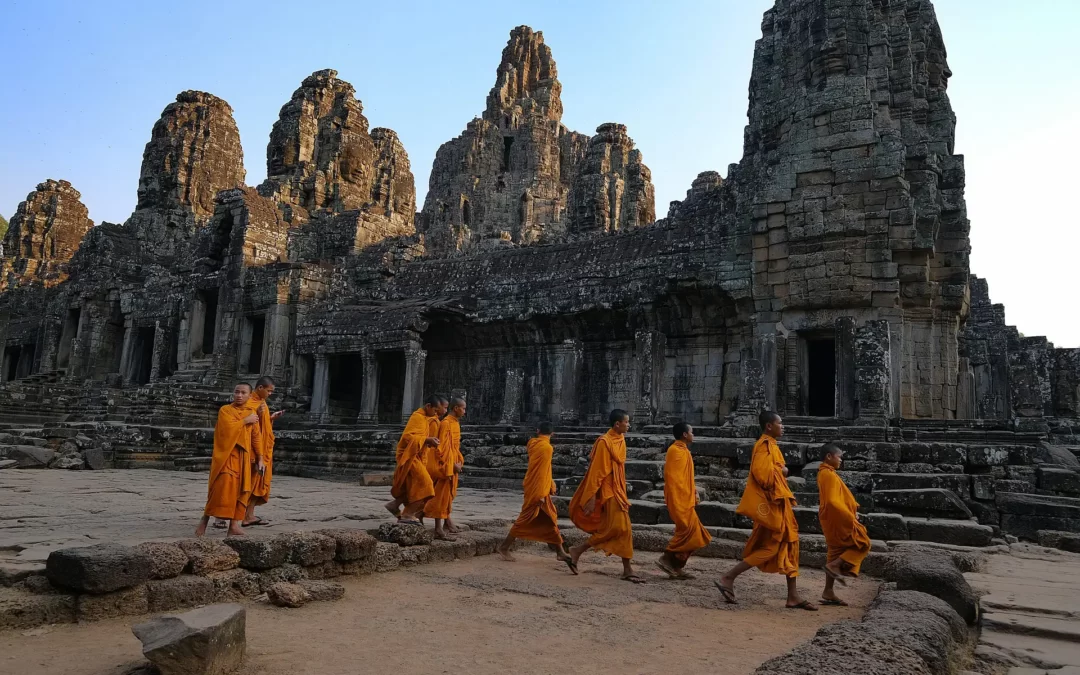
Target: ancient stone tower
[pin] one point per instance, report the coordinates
(44, 234)
(517, 175)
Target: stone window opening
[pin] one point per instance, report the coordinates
(821, 376)
(466, 213)
(252, 335)
(508, 144)
(219, 248)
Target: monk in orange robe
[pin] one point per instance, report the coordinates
(538, 520)
(263, 469)
(235, 442)
(773, 545)
(846, 538)
(680, 495)
(412, 486)
(459, 464)
(443, 466)
(600, 505)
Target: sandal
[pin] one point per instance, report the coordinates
(728, 593)
(257, 521)
(570, 563)
(805, 604)
(825, 602)
(667, 569)
(835, 577)
(409, 521)
(634, 579)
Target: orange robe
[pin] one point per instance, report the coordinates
(680, 495)
(845, 536)
(230, 467)
(412, 482)
(440, 466)
(609, 523)
(260, 482)
(538, 520)
(773, 545)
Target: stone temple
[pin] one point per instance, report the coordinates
(824, 275)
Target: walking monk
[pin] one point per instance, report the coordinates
(443, 464)
(412, 484)
(538, 520)
(235, 443)
(773, 545)
(600, 506)
(263, 471)
(680, 495)
(846, 538)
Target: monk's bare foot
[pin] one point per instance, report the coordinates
(392, 507)
(505, 554)
(575, 555)
(453, 529)
(235, 531)
(443, 536)
(200, 530)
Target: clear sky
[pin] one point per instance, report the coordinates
(83, 83)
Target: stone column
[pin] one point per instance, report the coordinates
(844, 341)
(276, 341)
(649, 352)
(512, 390)
(320, 388)
(158, 353)
(873, 368)
(126, 351)
(965, 391)
(766, 354)
(567, 361)
(415, 357)
(369, 394)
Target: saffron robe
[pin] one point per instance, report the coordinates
(412, 482)
(609, 523)
(538, 520)
(440, 466)
(845, 536)
(229, 487)
(260, 482)
(680, 495)
(773, 545)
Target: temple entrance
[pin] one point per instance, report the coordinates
(346, 385)
(251, 343)
(11, 362)
(67, 336)
(143, 358)
(391, 385)
(203, 324)
(821, 377)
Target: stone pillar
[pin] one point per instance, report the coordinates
(766, 354)
(873, 368)
(320, 388)
(965, 391)
(126, 351)
(369, 394)
(649, 349)
(844, 341)
(415, 357)
(793, 381)
(159, 352)
(276, 341)
(896, 356)
(512, 390)
(567, 361)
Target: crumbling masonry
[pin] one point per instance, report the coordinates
(825, 276)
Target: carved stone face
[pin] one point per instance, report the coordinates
(352, 163)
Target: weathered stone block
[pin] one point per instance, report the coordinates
(1066, 541)
(387, 557)
(30, 457)
(326, 570)
(235, 584)
(887, 526)
(288, 572)
(166, 560)
(309, 548)
(926, 502)
(208, 555)
(206, 641)
(808, 520)
(323, 591)
(415, 555)
(650, 540)
(351, 544)
(125, 602)
(260, 552)
(94, 458)
(187, 590)
(934, 573)
(20, 610)
(958, 532)
(716, 514)
(404, 535)
(1064, 481)
(645, 512)
(284, 594)
(97, 569)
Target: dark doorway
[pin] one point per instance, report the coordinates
(11, 363)
(222, 241)
(143, 360)
(346, 384)
(204, 324)
(67, 336)
(391, 385)
(258, 331)
(26, 361)
(821, 376)
(508, 144)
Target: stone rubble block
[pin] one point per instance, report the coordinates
(958, 532)
(285, 594)
(125, 602)
(9, 464)
(416, 555)
(351, 544)
(387, 557)
(441, 551)
(323, 591)
(360, 567)
(325, 570)
(310, 548)
(933, 572)
(288, 572)
(260, 552)
(30, 456)
(20, 610)
(1066, 541)
(100, 568)
(166, 560)
(235, 584)
(206, 641)
(14, 572)
(208, 555)
(927, 502)
(187, 590)
(404, 535)
(887, 526)
(94, 458)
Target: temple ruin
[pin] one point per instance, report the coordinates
(824, 275)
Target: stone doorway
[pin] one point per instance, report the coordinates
(391, 386)
(203, 324)
(821, 377)
(143, 358)
(346, 385)
(18, 361)
(251, 343)
(67, 336)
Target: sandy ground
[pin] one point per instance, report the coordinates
(484, 615)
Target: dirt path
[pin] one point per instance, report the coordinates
(482, 616)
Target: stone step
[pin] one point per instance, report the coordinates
(1032, 624)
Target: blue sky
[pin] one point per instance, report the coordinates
(84, 82)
